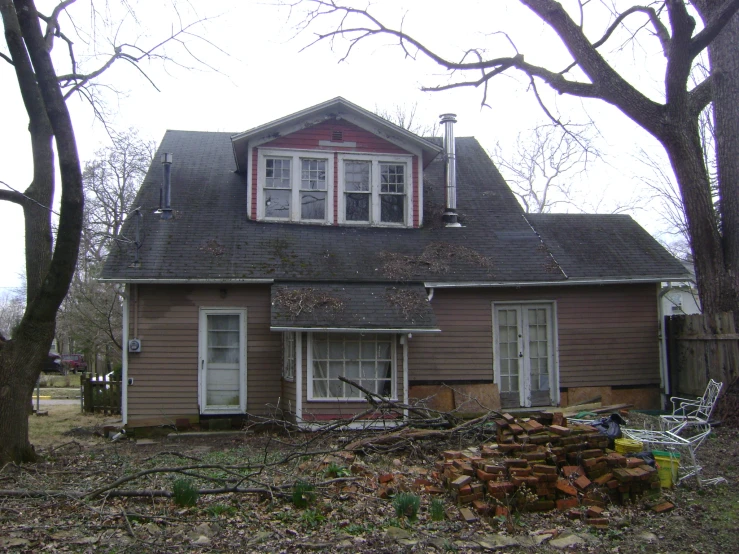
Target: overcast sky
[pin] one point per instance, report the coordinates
(260, 74)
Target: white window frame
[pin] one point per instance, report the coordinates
(375, 207)
(295, 157)
(393, 371)
(524, 386)
(202, 360)
(289, 355)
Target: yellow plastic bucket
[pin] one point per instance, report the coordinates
(627, 446)
(667, 463)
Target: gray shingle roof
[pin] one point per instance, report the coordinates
(210, 237)
(351, 305)
(590, 246)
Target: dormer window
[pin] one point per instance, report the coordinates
(294, 186)
(375, 189)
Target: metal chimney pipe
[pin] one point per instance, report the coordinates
(450, 159)
(166, 194)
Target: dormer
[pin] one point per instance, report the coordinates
(334, 164)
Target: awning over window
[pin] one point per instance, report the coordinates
(376, 308)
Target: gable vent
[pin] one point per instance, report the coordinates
(337, 136)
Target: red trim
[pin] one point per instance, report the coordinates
(328, 417)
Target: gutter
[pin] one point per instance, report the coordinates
(568, 282)
(353, 330)
(188, 281)
(664, 370)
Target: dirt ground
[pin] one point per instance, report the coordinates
(43, 506)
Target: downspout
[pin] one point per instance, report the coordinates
(404, 342)
(124, 358)
(663, 367)
(298, 378)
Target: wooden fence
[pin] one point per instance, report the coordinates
(700, 348)
(101, 396)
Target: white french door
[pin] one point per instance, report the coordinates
(523, 354)
(222, 363)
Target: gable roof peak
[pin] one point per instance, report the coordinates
(336, 108)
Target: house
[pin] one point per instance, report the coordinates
(262, 265)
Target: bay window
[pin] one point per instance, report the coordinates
(367, 359)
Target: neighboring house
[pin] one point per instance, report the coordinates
(681, 298)
(332, 242)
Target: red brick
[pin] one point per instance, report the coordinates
(467, 515)
(451, 454)
(569, 471)
(663, 507)
(540, 468)
(566, 488)
(594, 511)
(386, 478)
(508, 418)
(559, 430)
(593, 502)
(582, 482)
(603, 479)
(597, 521)
(481, 507)
(574, 514)
(460, 482)
(558, 418)
(567, 503)
(515, 462)
(634, 462)
(501, 487)
(469, 498)
(520, 471)
(612, 484)
(490, 468)
(501, 511)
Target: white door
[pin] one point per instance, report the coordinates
(523, 354)
(222, 371)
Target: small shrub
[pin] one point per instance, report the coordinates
(219, 509)
(437, 510)
(303, 494)
(406, 504)
(312, 518)
(184, 492)
(335, 470)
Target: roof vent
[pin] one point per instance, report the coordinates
(337, 136)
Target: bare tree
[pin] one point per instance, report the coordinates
(89, 319)
(12, 306)
(714, 234)
(50, 264)
(544, 164)
(406, 116)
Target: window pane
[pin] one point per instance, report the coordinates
(312, 205)
(278, 173)
(277, 203)
(364, 359)
(392, 178)
(357, 207)
(313, 175)
(223, 322)
(357, 176)
(320, 389)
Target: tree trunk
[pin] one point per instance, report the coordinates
(48, 275)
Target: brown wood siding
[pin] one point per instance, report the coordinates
(608, 335)
(318, 409)
(165, 373)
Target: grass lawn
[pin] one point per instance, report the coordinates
(48, 431)
(60, 381)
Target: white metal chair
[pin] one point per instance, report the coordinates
(690, 413)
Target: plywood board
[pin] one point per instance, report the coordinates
(476, 399)
(435, 397)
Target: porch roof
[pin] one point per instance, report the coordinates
(377, 308)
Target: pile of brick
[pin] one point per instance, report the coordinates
(541, 464)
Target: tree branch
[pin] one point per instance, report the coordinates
(701, 95)
(13, 196)
(710, 31)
